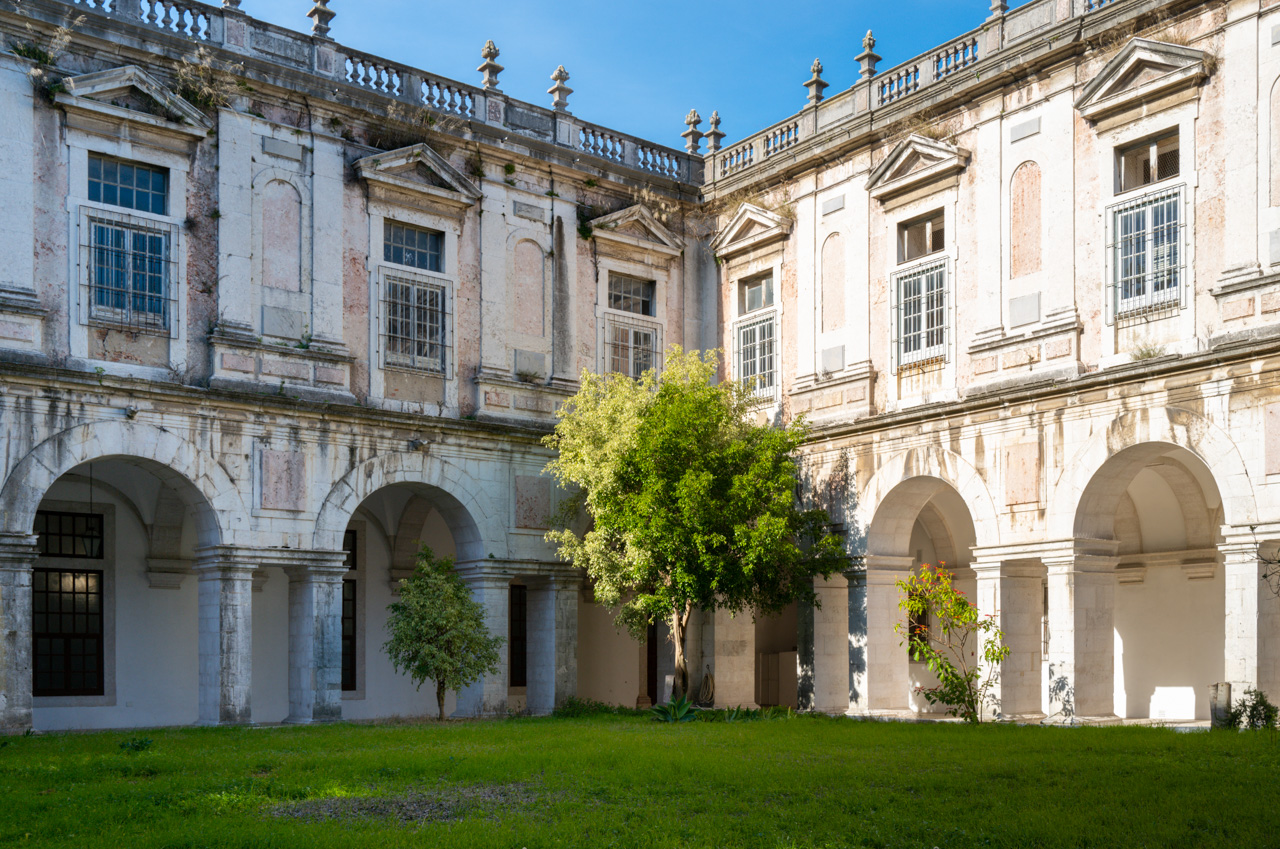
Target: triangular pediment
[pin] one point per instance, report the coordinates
(417, 169)
(750, 227)
(130, 93)
(1142, 71)
(914, 163)
(638, 227)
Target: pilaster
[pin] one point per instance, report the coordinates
(17, 558)
(553, 643)
(880, 677)
(225, 600)
(1082, 581)
(828, 646)
(1252, 650)
(488, 696)
(1011, 592)
(315, 636)
(734, 659)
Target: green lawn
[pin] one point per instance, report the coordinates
(627, 781)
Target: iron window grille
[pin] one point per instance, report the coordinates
(349, 590)
(1152, 160)
(631, 347)
(922, 319)
(74, 535)
(128, 267)
(756, 354)
(66, 632)
(416, 322)
(1146, 248)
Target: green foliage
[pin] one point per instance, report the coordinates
(438, 631)
(509, 168)
(585, 216)
(679, 709)
(946, 631)
(1254, 712)
(32, 51)
(693, 503)
(576, 708)
(135, 744)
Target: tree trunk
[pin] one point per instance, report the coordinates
(440, 694)
(681, 676)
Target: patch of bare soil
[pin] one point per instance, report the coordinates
(444, 803)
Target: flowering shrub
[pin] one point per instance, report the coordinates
(945, 630)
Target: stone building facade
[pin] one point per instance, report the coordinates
(274, 311)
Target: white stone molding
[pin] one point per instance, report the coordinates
(89, 97)
(17, 558)
(750, 228)
(637, 227)
(418, 176)
(1142, 72)
(916, 163)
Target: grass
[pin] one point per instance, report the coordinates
(626, 781)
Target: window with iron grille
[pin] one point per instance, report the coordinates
(1146, 253)
(1149, 161)
(416, 325)
(61, 534)
(412, 246)
(518, 635)
(755, 341)
(349, 613)
(922, 306)
(630, 294)
(632, 347)
(66, 632)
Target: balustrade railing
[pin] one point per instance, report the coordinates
(190, 20)
(778, 139)
(657, 161)
(737, 158)
(1095, 5)
(953, 57)
(448, 96)
(898, 83)
(99, 5)
(373, 74)
(602, 143)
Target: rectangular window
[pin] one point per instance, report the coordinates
(756, 355)
(128, 185)
(922, 313)
(632, 348)
(413, 246)
(518, 635)
(76, 535)
(1146, 253)
(629, 294)
(922, 237)
(130, 270)
(1149, 161)
(416, 323)
(66, 632)
(349, 613)
(755, 294)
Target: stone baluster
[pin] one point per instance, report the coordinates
(816, 85)
(315, 635)
(225, 602)
(17, 558)
(560, 92)
(692, 136)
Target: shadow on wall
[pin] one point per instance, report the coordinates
(1061, 692)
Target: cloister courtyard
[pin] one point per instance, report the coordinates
(623, 780)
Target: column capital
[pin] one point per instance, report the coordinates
(18, 552)
(888, 563)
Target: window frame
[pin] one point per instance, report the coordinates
(765, 317)
(925, 355)
(417, 283)
(610, 319)
(1120, 307)
(927, 219)
(1152, 143)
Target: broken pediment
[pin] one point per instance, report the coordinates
(1139, 74)
(129, 95)
(913, 164)
(749, 228)
(417, 173)
(637, 227)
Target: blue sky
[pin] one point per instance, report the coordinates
(639, 67)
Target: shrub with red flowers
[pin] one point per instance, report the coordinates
(946, 631)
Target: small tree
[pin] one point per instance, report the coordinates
(437, 629)
(945, 630)
(693, 502)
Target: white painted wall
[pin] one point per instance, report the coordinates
(609, 660)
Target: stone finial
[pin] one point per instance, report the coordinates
(714, 135)
(320, 16)
(490, 68)
(999, 7)
(231, 4)
(692, 136)
(868, 57)
(560, 92)
(816, 84)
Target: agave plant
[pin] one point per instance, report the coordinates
(676, 710)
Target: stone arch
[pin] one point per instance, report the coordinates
(474, 521)
(201, 484)
(1077, 510)
(833, 283)
(1024, 220)
(906, 483)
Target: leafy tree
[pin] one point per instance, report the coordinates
(438, 630)
(692, 502)
(941, 629)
